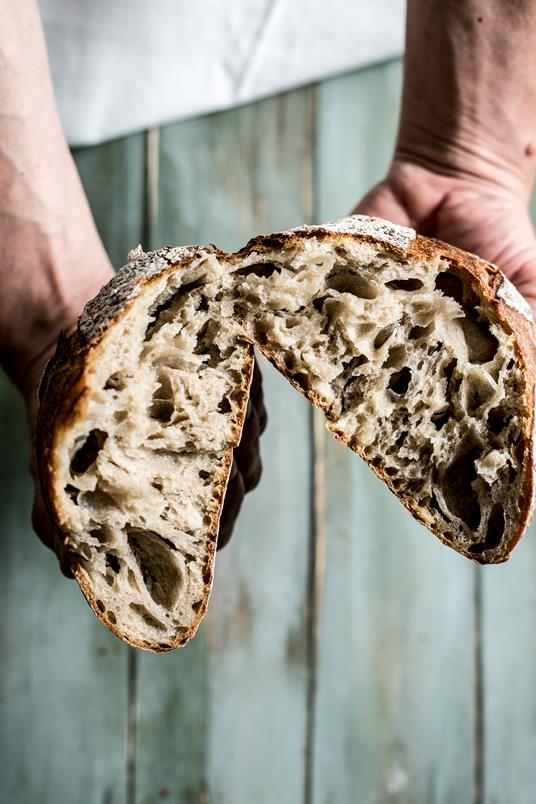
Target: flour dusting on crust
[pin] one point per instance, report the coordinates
(127, 283)
(400, 237)
(513, 298)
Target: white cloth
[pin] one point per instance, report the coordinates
(123, 65)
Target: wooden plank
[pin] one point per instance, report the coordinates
(113, 175)
(395, 676)
(224, 719)
(509, 660)
(63, 687)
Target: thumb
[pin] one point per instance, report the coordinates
(381, 202)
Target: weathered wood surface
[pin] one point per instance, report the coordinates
(233, 705)
(419, 687)
(395, 687)
(64, 682)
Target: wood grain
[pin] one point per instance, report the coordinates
(394, 706)
(508, 610)
(64, 684)
(224, 719)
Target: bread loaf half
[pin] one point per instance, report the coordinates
(422, 358)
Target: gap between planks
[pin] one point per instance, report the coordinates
(479, 769)
(316, 576)
(150, 222)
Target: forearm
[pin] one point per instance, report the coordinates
(469, 99)
(51, 258)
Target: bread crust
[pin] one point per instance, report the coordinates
(64, 392)
(509, 306)
(64, 388)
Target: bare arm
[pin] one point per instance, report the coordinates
(52, 259)
(465, 159)
(469, 101)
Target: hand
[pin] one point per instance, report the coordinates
(468, 210)
(245, 472)
(247, 468)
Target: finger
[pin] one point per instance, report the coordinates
(231, 506)
(252, 429)
(249, 464)
(381, 202)
(49, 536)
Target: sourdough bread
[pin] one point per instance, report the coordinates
(422, 358)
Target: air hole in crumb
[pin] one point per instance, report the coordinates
(345, 281)
(147, 617)
(164, 309)
(73, 492)
(417, 332)
(405, 284)
(132, 580)
(117, 381)
(98, 500)
(259, 332)
(450, 285)
(261, 269)
(224, 406)
(401, 438)
(441, 417)
(456, 485)
(157, 483)
(482, 346)
(112, 561)
(197, 606)
(498, 419)
(162, 410)
(120, 416)
(84, 550)
(397, 354)
(203, 474)
(290, 361)
(103, 534)
(400, 380)
(494, 531)
(435, 505)
(86, 455)
(111, 616)
(100, 605)
(383, 336)
(477, 392)
(154, 555)
(301, 379)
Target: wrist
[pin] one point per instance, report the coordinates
(64, 281)
(467, 151)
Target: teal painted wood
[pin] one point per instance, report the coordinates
(508, 603)
(114, 178)
(224, 719)
(396, 674)
(509, 686)
(64, 681)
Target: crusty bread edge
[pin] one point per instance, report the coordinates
(490, 281)
(64, 395)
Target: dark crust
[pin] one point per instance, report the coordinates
(63, 388)
(488, 280)
(62, 395)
